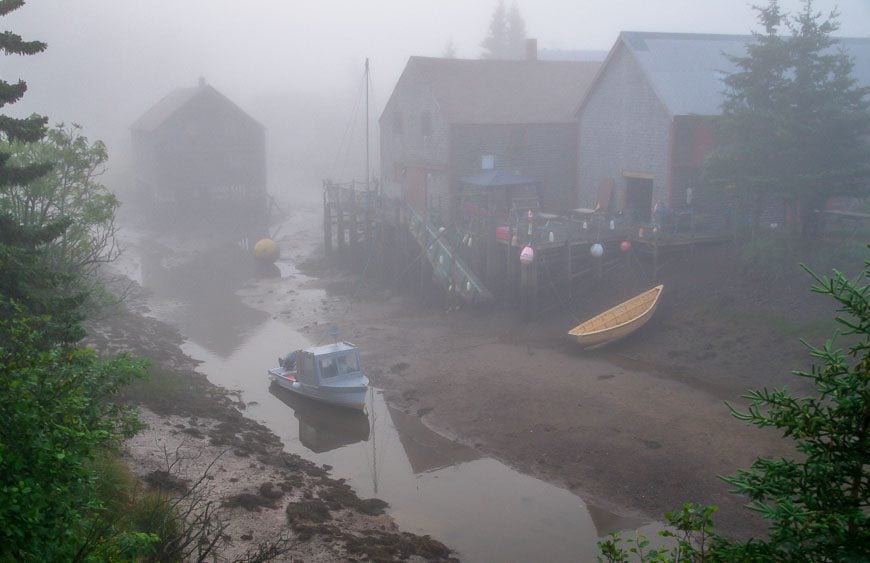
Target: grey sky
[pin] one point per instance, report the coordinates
(109, 60)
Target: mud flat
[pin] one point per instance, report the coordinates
(637, 428)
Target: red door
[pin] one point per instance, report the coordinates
(416, 191)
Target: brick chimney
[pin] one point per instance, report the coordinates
(531, 49)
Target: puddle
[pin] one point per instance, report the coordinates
(476, 505)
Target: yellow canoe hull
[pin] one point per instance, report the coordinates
(617, 322)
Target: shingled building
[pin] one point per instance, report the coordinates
(448, 119)
(198, 156)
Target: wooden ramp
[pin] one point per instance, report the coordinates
(451, 272)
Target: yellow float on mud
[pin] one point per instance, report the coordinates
(266, 251)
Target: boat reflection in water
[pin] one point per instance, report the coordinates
(324, 427)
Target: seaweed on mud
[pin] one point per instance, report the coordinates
(166, 481)
(249, 501)
(313, 511)
(372, 506)
(387, 546)
(270, 491)
(338, 495)
(195, 432)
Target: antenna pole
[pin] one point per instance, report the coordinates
(368, 183)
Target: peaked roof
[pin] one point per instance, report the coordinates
(686, 69)
(174, 101)
(504, 92)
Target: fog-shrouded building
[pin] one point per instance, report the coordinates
(647, 123)
(449, 119)
(198, 157)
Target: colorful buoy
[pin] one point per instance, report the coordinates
(266, 251)
(527, 256)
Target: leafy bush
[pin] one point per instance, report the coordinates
(57, 414)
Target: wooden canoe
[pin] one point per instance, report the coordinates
(618, 322)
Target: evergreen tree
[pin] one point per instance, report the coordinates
(794, 121)
(507, 34)
(449, 50)
(25, 279)
(516, 34)
(495, 44)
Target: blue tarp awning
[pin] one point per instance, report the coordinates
(498, 179)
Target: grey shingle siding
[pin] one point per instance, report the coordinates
(546, 152)
(410, 147)
(521, 112)
(623, 128)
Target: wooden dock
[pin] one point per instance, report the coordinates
(394, 244)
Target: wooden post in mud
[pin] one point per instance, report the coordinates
(327, 223)
(422, 262)
(353, 229)
(567, 272)
(340, 223)
(492, 257)
(397, 257)
(512, 267)
(368, 243)
(528, 289)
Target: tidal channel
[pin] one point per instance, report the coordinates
(476, 505)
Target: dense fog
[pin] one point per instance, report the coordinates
(297, 67)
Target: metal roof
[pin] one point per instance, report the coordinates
(333, 348)
(475, 91)
(686, 70)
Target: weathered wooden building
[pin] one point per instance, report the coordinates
(199, 157)
(447, 119)
(647, 122)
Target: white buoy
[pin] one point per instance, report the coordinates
(597, 250)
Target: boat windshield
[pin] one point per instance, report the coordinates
(348, 363)
(338, 365)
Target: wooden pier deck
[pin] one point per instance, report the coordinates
(480, 262)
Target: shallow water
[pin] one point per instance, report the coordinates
(476, 505)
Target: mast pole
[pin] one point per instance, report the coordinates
(368, 180)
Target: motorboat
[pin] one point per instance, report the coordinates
(330, 373)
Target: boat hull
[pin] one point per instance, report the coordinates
(618, 322)
(348, 396)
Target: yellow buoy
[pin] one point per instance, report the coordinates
(266, 251)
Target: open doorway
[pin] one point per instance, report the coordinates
(638, 199)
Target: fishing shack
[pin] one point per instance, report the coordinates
(199, 159)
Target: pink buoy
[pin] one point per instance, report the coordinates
(527, 255)
(625, 246)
